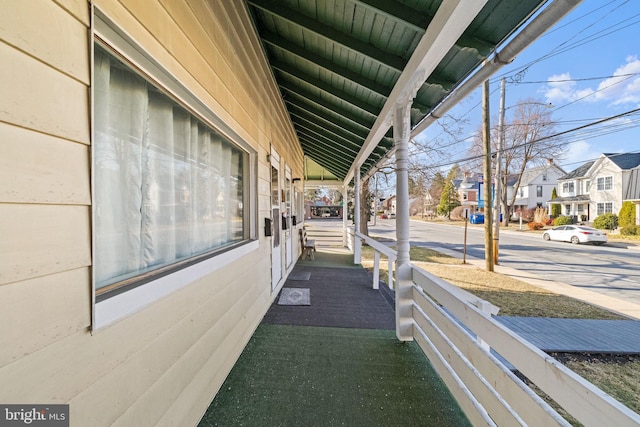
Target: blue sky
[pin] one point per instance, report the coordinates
(588, 67)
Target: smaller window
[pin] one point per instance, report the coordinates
(568, 187)
(587, 186)
(539, 205)
(544, 177)
(567, 209)
(539, 191)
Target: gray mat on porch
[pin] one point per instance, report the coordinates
(342, 298)
(295, 296)
(299, 276)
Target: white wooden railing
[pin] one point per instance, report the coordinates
(458, 334)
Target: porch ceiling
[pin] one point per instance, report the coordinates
(340, 63)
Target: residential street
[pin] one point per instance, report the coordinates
(612, 270)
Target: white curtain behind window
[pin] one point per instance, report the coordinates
(163, 180)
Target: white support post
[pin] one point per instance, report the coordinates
(376, 269)
(345, 214)
(357, 244)
(390, 272)
(404, 283)
(485, 308)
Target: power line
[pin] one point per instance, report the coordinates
(615, 83)
(584, 79)
(517, 74)
(544, 138)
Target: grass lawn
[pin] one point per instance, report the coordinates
(619, 376)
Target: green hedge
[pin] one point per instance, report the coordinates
(631, 230)
(608, 221)
(627, 214)
(562, 220)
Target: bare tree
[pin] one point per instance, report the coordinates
(527, 143)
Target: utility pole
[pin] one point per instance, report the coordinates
(486, 145)
(498, 179)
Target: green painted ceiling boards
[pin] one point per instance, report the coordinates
(337, 61)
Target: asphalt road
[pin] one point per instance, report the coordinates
(612, 269)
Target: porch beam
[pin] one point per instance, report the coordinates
(312, 102)
(282, 44)
(449, 23)
(328, 89)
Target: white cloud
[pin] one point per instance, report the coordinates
(560, 88)
(577, 153)
(621, 88)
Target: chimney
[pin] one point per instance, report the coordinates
(549, 162)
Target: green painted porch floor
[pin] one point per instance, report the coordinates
(326, 376)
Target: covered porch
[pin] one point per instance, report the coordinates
(335, 359)
(359, 81)
(577, 207)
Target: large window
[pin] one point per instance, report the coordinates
(539, 191)
(169, 189)
(603, 208)
(605, 183)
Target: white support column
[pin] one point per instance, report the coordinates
(345, 214)
(357, 243)
(404, 283)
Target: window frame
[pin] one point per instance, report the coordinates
(604, 180)
(601, 208)
(148, 287)
(570, 187)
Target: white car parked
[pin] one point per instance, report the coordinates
(576, 234)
